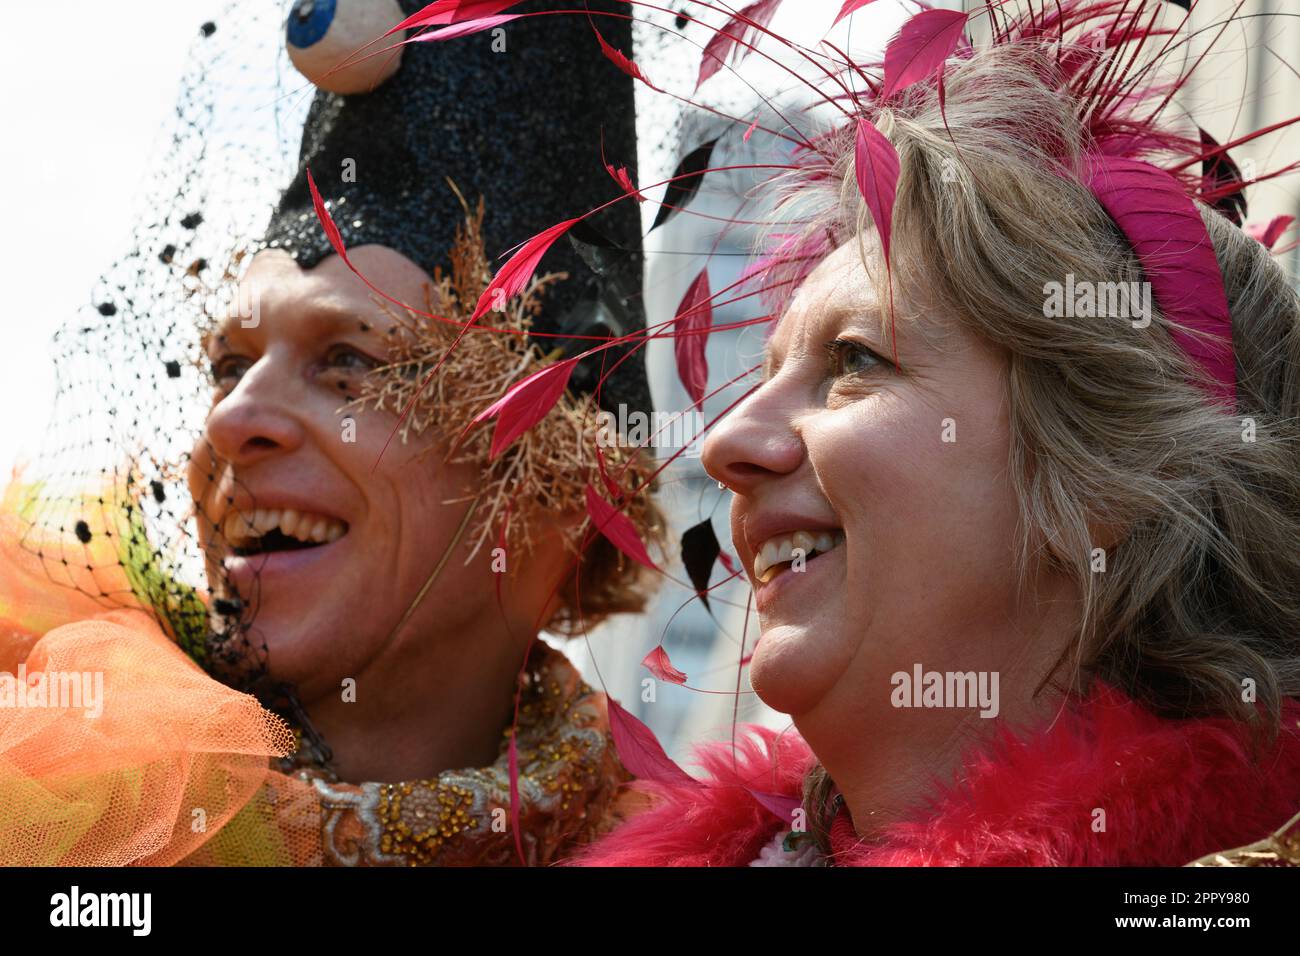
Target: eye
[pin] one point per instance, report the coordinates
(348, 358)
(846, 357)
(227, 370)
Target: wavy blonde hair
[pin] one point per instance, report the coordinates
(1113, 441)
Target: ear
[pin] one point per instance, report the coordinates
(321, 34)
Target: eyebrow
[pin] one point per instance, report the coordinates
(875, 319)
(329, 316)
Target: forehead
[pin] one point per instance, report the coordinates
(839, 285)
(277, 279)
(848, 288)
(283, 293)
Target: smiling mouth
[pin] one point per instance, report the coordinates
(778, 554)
(271, 530)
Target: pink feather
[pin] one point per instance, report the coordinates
(781, 807)
(463, 29)
(920, 48)
(739, 27)
(451, 11)
(526, 404)
(515, 275)
(617, 529)
(620, 60)
(657, 663)
(1165, 230)
(327, 221)
(850, 7)
(640, 752)
(624, 180)
(694, 319)
(1269, 233)
(611, 486)
(876, 164)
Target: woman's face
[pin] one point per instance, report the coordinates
(358, 533)
(903, 474)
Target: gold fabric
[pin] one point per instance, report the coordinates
(1281, 848)
(569, 780)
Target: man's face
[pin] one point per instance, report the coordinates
(323, 526)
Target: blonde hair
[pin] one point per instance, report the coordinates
(1114, 443)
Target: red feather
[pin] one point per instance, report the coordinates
(657, 663)
(624, 180)
(920, 48)
(451, 11)
(327, 221)
(1165, 230)
(781, 807)
(694, 319)
(743, 25)
(623, 63)
(615, 492)
(876, 165)
(515, 275)
(616, 527)
(1271, 232)
(463, 29)
(640, 752)
(526, 404)
(850, 7)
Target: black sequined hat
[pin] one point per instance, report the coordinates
(516, 115)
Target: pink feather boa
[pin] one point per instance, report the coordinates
(1173, 790)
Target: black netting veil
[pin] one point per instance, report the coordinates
(106, 506)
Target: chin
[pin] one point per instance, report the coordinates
(789, 671)
(298, 646)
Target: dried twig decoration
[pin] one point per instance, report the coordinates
(547, 468)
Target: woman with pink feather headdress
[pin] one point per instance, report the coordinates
(1018, 493)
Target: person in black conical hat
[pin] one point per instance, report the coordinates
(385, 563)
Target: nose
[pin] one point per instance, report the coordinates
(756, 442)
(256, 420)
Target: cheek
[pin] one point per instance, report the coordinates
(414, 501)
(880, 466)
(203, 476)
(921, 492)
(198, 469)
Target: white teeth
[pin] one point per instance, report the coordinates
(239, 528)
(780, 550)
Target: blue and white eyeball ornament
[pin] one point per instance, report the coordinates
(321, 34)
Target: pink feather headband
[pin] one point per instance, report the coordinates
(1154, 211)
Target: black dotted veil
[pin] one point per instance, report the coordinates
(106, 505)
